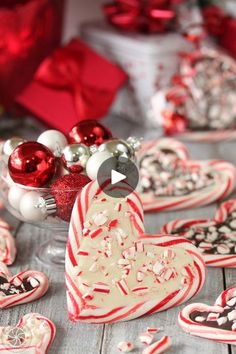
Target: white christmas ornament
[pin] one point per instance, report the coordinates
(14, 196)
(9, 146)
(54, 140)
(30, 208)
(94, 163)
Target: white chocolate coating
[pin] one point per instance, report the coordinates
(33, 334)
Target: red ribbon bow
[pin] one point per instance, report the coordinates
(62, 71)
(149, 16)
(78, 71)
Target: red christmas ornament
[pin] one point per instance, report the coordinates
(65, 190)
(32, 164)
(89, 132)
(174, 123)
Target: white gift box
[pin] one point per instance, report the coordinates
(149, 60)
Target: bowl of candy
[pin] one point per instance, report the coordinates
(40, 180)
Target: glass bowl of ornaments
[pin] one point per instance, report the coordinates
(41, 179)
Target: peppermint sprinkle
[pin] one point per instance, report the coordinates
(146, 338)
(142, 290)
(123, 287)
(125, 347)
(101, 288)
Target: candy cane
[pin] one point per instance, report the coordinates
(211, 260)
(208, 136)
(202, 330)
(79, 307)
(223, 185)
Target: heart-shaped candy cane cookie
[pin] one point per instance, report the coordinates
(212, 322)
(24, 287)
(33, 334)
(7, 244)
(170, 181)
(116, 272)
(215, 238)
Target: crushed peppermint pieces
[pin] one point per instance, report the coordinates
(146, 338)
(125, 347)
(123, 287)
(213, 237)
(224, 318)
(158, 347)
(163, 173)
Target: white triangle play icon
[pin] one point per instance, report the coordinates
(116, 177)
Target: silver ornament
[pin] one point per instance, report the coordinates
(134, 142)
(9, 146)
(75, 157)
(118, 148)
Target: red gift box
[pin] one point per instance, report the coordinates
(74, 84)
(29, 31)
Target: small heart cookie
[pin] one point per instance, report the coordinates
(33, 334)
(116, 272)
(7, 244)
(214, 238)
(171, 181)
(216, 322)
(24, 287)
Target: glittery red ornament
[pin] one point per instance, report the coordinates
(65, 190)
(89, 132)
(32, 164)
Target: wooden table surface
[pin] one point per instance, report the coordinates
(103, 339)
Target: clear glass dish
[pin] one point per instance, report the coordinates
(51, 252)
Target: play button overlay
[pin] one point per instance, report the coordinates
(118, 177)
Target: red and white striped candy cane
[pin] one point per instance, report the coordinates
(8, 247)
(224, 184)
(201, 330)
(208, 136)
(78, 307)
(38, 280)
(211, 260)
(38, 332)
